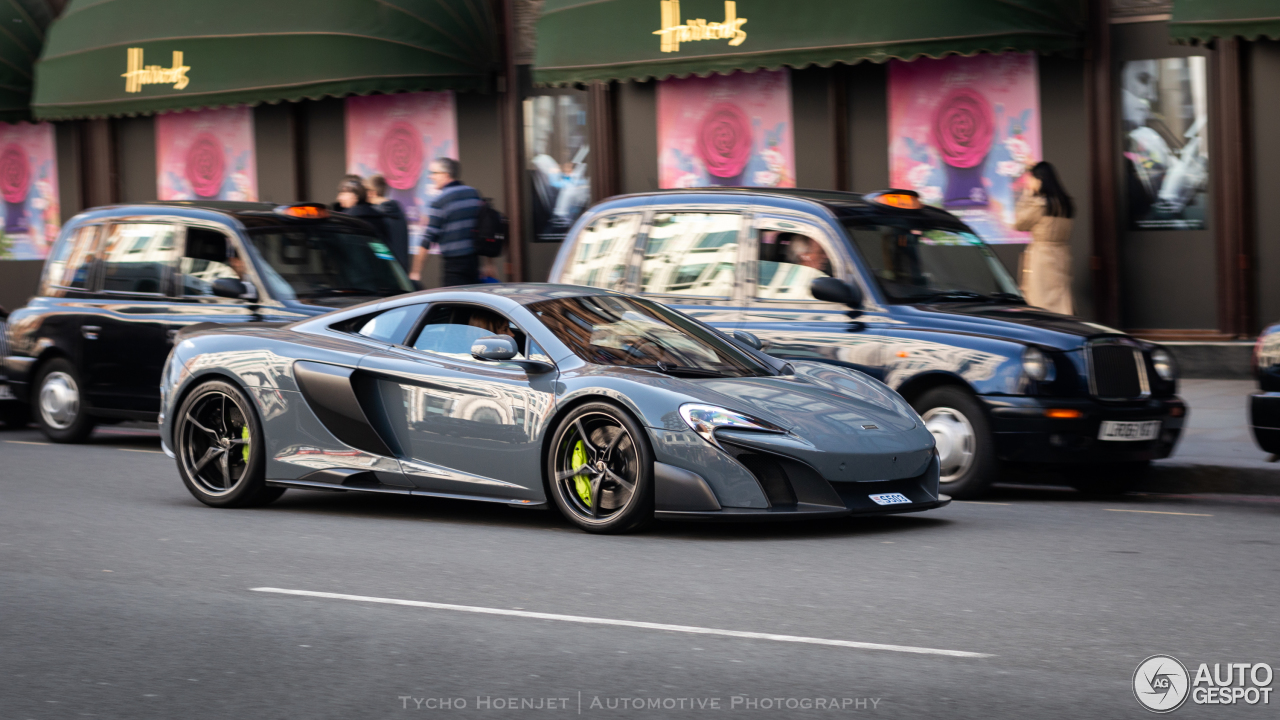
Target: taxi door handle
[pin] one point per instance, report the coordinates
(172, 334)
(90, 332)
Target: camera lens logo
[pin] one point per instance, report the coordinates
(1161, 683)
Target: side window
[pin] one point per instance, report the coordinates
(451, 329)
(73, 259)
(137, 257)
(391, 326)
(602, 252)
(691, 254)
(209, 255)
(786, 262)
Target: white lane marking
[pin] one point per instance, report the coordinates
(26, 442)
(1157, 512)
(153, 452)
(627, 623)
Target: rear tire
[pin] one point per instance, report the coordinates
(60, 408)
(966, 449)
(612, 492)
(220, 449)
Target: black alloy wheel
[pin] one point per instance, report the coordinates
(600, 470)
(219, 444)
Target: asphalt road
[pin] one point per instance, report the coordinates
(122, 597)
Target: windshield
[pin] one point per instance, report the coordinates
(326, 262)
(630, 332)
(921, 264)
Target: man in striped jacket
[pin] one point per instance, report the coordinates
(451, 224)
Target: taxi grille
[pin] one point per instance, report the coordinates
(1116, 372)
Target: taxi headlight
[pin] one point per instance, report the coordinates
(1166, 366)
(1037, 365)
(705, 419)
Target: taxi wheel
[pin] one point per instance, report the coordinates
(1109, 480)
(59, 404)
(966, 450)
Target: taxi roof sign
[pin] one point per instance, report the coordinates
(900, 199)
(305, 211)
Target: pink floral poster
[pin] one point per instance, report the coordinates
(206, 155)
(29, 184)
(398, 136)
(962, 130)
(726, 130)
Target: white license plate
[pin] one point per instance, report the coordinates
(890, 499)
(1129, 431)
(6, 393)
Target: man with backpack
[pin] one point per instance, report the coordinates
(462, 224)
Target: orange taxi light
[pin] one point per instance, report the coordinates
(305, 212)
(1063, 414)
(902, 201)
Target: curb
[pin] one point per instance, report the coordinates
(1184, 479)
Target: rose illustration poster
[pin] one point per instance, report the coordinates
(29, 184)
(398, 136)
(206, 155)
(726, 130)
(962, 130)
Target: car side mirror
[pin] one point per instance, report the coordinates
(747, 338)
(494, 348)
(229, 288)
(501, 348)
(829, 289)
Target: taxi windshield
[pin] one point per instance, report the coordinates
(630, 332)
(920, 264)
(318, 262)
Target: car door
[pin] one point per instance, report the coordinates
(125, 325)
(464, 427)
(691, 260)
(786, 254)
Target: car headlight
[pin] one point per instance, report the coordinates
(1037, 365)
(1166, 366)
(705, 419)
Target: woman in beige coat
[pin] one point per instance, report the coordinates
(1045, 210)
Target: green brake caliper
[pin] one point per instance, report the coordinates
(581, 482)
(244, 435)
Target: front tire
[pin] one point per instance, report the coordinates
(220, 449)
(966, 449)
(59, 400)
(600, 470)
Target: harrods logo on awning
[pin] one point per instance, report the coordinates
(139, 74)
(674, 32)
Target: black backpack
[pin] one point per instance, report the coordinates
(490, 232)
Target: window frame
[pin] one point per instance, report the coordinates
(629, 278)
(416, 330)
(170, 268)
(735, 297)
(842, 263)
(233, 240)
(73, 239)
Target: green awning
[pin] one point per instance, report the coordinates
(128, 57)
(584, 40)
(22, 26)
(1200, 21)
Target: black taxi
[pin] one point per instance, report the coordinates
(121, 281)
(907, 294)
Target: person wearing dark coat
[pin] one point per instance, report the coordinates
(353, 200)
(393, 216)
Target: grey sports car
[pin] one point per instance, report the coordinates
(616, 409)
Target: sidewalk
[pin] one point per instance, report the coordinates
(1216, 453)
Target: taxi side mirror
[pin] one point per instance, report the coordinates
(229, 288)
(829, 289)
(747, 338)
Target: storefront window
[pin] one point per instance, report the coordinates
(1166, 143)
(556, 148)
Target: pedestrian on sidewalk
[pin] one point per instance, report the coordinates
(1045, 210)
(393, 217)
(451, 225)
(353, 200)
